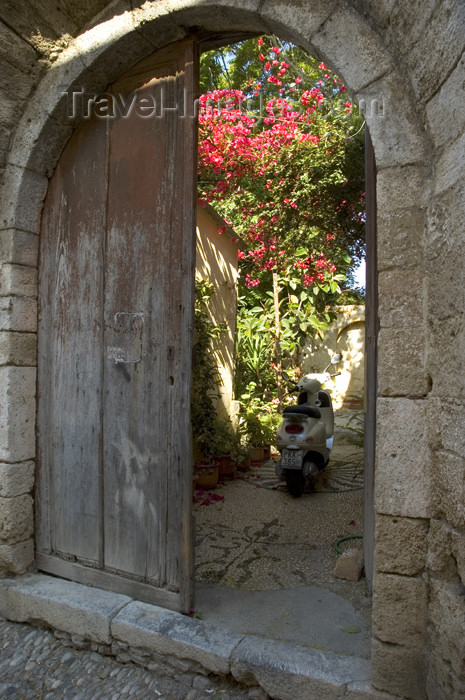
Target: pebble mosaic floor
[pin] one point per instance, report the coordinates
(260, 538)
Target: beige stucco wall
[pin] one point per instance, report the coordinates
(345, 335)
(404, 64)
(216, 261)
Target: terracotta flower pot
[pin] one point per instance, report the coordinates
(256, 455)
(243, 465)
(207, 474)
(226, 467)
(267, 453)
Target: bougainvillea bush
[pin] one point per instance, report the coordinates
(281, 159)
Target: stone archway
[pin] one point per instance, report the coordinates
(98, 56)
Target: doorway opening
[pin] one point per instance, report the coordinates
(296, 216)
(138, 333)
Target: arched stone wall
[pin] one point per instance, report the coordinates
(390, 56)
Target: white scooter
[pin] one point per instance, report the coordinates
(305, 437)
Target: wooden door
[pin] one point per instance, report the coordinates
(117, 270)
(371, 353)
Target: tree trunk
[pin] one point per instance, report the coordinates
(277, 327)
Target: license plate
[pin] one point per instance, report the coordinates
(291, 459)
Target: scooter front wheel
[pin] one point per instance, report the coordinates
(295, 482)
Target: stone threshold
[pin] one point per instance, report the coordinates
(285, 671)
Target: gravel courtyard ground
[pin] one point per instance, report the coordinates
(260, 538)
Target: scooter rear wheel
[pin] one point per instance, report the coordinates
(295, 483)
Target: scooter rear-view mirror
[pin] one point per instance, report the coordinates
(336, 359)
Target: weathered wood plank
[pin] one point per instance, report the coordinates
(147, 419)
(108, 581)
(184, 387)
(70, 332)
(371, 354)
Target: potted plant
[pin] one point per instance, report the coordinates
(206, 474)
(221, 446)
(259, 422)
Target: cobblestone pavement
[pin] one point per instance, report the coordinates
(35, 664)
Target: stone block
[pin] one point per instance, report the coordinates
(18, 280)
(63, 605)
(400, 608)
(288, 671)
(448, 472)
(360, 61)
(23, 193)
(446, 418)
(442, 682)
(401, 236)
(164, 631)
(399, 670)
(109, 49)
(18, 52)
(5, 134)
(297, 20)
(16, 479)
(363, 690)
(437, 50)
(156, 24)
(15, 86)
(444, 263)
(17, 413)
(401, 545)
(440, 560)
(447, 617)
(399, 28)
(403, 474)
(349, 565)
(10, 108)
(458, 550)
(19, 247)
(39, 147)
(106, 13)
(81, 12)
(18, 349)
(401, 295)
(18, 314)
(15, 559)
(48, 105)
(450, 165)
(445, 117)
(401, 363)
(400, 188)
(35, 20)
(445, 359)
(172, 18)
(16, 519)
(398, 136)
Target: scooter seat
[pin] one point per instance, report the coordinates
(310, 411)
